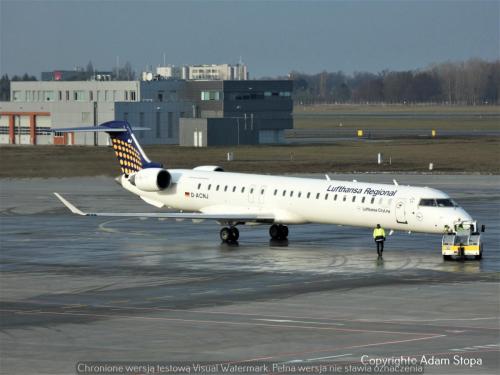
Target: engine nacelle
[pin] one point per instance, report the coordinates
(151, 179)
(209, 168)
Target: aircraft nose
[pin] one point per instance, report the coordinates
(462, 215)
(454, 216)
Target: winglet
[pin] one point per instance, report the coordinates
(71, 207)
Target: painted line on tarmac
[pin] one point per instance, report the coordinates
(328, 357)
(316, 359)
(203, 292)
(242, 290)
(298, 321)
(382, 343)
(470, 348)
(428, 320)
(158, 298)
(156, 309)
(110, 316)
(102, 227)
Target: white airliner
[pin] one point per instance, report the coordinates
(232, 199)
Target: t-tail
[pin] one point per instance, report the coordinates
(128, 151)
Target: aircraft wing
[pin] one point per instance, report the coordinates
(233, 217)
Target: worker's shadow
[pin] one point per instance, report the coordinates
(379, 262)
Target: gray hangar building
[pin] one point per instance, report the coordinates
(237, 112)
(196, 113)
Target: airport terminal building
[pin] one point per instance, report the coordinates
(196, 113)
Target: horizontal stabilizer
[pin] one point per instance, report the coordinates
(233, 217)
(94, 129)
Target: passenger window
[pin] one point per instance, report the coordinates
(234, 189)
(299, 195)
(217, 188)
(262, 192)
(317, 196)
(199, 186)
(354, 198)
(373, 200)
(335, 197)
(291, 194)
(308, 195)
(225, 188)
(251, 191)
(345, 197)
(243, 189)
(326, 196)
(275, 191)
(209, 186)
(363, 200)
(284, 192)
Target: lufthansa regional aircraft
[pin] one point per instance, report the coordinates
(232, 199)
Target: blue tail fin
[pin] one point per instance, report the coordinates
(128, 151)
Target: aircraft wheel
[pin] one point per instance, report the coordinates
(274, 232)
(278, 232)
(225, 234)
(235, 233)
(446, 257)
(284, 232)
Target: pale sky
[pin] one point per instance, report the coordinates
(272, 37)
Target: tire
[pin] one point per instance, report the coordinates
(235, 233)
(284, 232)
(225, 234)
(478, 257)
(446, 257)
(274, 232)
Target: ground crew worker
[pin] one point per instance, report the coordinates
(461, 231)
(379, 237)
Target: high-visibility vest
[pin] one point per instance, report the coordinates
(377, 232)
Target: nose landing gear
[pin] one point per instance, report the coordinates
(278, 232)
(230, 234)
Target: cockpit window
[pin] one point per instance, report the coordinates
(445, 203)
(437, 203)
(427, 203)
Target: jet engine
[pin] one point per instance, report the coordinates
(151, 179)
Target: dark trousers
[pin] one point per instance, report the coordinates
(380, 247)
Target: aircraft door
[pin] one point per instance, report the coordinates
(401, 211)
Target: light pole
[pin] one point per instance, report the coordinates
(238, 122)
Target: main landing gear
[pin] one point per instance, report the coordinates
(278, 232)
(230, 234)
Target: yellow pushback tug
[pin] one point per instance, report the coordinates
(464, 241)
